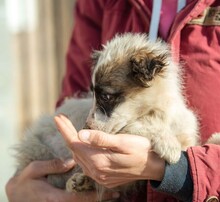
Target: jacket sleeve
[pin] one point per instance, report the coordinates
(196, 176)
(86, 36)
(205, 171)
(177, 181)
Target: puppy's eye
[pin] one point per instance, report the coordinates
(106, 97)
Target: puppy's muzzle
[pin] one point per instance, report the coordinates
(86, 126)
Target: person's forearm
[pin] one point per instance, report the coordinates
(177, 180)
(155, 168)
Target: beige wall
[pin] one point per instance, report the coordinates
(40, 59)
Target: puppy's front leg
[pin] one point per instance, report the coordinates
(79, 182)
(163, 140)
(167, 147)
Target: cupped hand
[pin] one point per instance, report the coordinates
(31, 184)
(112, 160)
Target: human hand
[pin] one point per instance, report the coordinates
(31, 184)
(112, 160)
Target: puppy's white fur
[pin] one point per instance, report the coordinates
(214, 139)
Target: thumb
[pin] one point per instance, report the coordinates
(38, 169)
(99, 139)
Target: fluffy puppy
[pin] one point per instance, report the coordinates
(137, 90)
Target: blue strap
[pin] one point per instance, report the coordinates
(181, 4)
(155, 20)
(155, 17)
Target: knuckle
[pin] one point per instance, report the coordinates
(99, 139)
(98, 167)
(101, 178)
(100, 164)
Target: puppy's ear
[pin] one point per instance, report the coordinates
(95, 57)
(145, 66)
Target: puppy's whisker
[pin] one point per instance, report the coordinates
(104, 112)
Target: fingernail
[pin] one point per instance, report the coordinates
(62, 116)
(84, 136)
(115, 195)
(69, 162)
(56, 120)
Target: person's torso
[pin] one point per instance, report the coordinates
(195, 41)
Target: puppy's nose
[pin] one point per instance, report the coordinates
(93, 115)
(86, 126)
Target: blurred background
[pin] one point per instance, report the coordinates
(34, 35)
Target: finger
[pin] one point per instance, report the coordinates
(100, 139)
(38, 169)
(68, 123)
(66, 129)
(65, 123)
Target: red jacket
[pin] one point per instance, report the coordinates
(195, 41)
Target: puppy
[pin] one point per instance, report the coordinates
(137, 89)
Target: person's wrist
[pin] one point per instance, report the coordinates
(155, 167)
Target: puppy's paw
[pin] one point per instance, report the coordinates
(167, 148)
(214, 139)
(79, 182)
